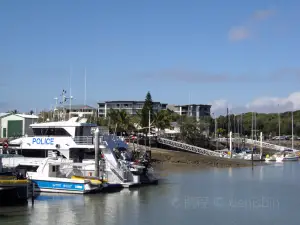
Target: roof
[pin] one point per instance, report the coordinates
(69, 123)
(125, 101)
(172, 107)
(193, 105)
(4, 114)
(20, 115)
(27, 116)
(77, 107)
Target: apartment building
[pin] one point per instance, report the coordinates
(77, 110)
(193, 110)
(131, 107)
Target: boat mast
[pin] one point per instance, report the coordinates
(55, 109)
(278, 126)
(227, 128)
(293, 129)
(255, 126)
(70, 99)
(252, 127)
(84, 88)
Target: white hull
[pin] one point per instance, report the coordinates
(271, 159)
(282, 158)
(296, 158)
(58, 191)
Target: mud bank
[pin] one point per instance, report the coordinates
(173, 158)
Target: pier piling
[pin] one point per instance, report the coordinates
(32, 193)
(96, 144)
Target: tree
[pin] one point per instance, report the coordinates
(148, 107)
(15, 111)
(125, 121)
(113, 115)
(191, 132)
(121, 121)
(162, 120)
(221, 131)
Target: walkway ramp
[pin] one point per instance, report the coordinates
(187, 147)
(257, 143)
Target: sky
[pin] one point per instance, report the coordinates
(238, 54)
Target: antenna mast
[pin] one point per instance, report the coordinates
(84, 87)
(70, 98)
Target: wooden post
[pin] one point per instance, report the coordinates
(32, 193)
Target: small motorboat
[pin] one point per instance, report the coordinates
(290, 157)
(270, 158)
(48, 178)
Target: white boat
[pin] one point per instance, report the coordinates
(272, 158)
(290, 157)
(283, 156)
(74, 141)
(48, 178)
(256, 157)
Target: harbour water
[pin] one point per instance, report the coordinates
(266, 195)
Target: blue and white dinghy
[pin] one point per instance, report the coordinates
(48, 178)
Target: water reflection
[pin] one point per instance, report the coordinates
(230, 172)
(213, 196)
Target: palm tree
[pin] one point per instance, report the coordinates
(121, 120)
(114, 118)
(124, 120)
(162, 120)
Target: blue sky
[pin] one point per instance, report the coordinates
(230, 52)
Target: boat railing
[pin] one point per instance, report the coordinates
(121, 173)
(86, 140)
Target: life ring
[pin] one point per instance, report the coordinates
(5, 144)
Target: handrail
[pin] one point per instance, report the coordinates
(115, 170)
(255, 142)
(187, 147)
(86, 140)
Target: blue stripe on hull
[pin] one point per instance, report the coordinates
(59, 186)
(291, 159)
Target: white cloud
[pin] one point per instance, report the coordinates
(261, 105)
(238, 33)
(219, 106)
(263, 14)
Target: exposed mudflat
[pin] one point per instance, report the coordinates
(173, 159)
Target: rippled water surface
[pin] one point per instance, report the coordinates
(266, 195)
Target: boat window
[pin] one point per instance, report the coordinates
(53, 168)
(79, 131)
(33, 153)
(53, 131)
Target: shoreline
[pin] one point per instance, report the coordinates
(169, 159)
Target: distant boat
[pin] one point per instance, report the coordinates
(288, 155)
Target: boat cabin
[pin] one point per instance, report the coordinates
(74, 127)
(72, 139)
